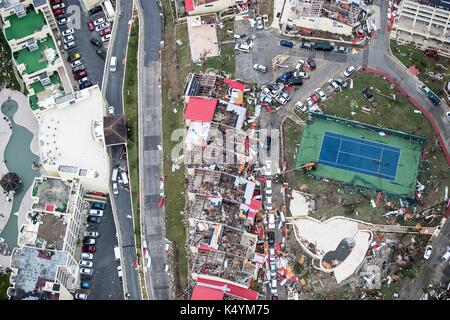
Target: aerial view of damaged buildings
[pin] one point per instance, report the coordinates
(317, 167)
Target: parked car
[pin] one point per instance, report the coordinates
(271, 237)
(87, 256)
(88, 241)
(273, 269)
(243, 47)
(309, 102)
(367, 94)
(70, 45)
(321, 94)
(91, 234)
(106, 38)
(299, 64)
(60, 5)
(80, 75)
(84, 285)
(95, 10)
(341, 82)
(90, 25)
(59, 12)
(81, 296)
(96, 42)
(314, 98)
(341, 50)
(102, 53)
(86, 271)
(446, 255)
(120, 272)
(68, 39)
(53, 2)
(301, 74)
(115, 189)
(98, 205)
(284, 77)
(88, 248)
(305, 45)
(273, 286)
(67, 32)
(63, 21)
(104, 32)
(260, 67)
(334, 85)
(259, 23)
(85, 85)
(78, 68)
(311, 63)
(111, 111)
(94, 219)
(428, 251)
(271, 221)
(102, 26)
(72, 57)
(447, 114)
(283, 97)
(301, 106)
(99, 21)
(86, 263)
(286, 43)
(95, 213)
(349, 71)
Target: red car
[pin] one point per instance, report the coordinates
(88, 248)
(314, 98)
(104, 32)
(59, 12)
(80, 75)
(90, 25)
(55, 2)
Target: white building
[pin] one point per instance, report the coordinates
(425, 24)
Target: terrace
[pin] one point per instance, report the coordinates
(38, 59)
(23, 27)
(50, 195)
(44, 93)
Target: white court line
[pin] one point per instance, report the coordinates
(370, 173)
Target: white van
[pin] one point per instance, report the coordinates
(114, 174)
(113, 64)
(124, 177)
(117, 253)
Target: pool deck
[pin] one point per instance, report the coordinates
(26, 118)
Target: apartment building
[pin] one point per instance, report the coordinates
(50, 233)
(29, 27)
(425, 24)
(194, 7)
(332, 16)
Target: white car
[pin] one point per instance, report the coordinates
(349, 71)
(447, 114)
(83, 80)
(68, 39)
(76, 63)
(111, 111)
(427, 253)
(87, 271)
(309, 102)
(70, 45)
(99, 21)
(268, 168)
(91, 234)
(273, 269)
(115, 189)
(446, 255)
(87, 256)
(321, 94)
(68, 32)
(102, 26)
(260, 67)
(271, 221)
(242, 47)
(268, 187)
(272, 254)
(259, 23)
(301, 74)
(96, 213)
(86, 263)
(120, 272)
(283, 98)
(59, 6)
(63, 21)
(301, 106)
(89, 241)
(106, 38)
(273, 286)
(81, 296)
(299, 64)
(268, 203)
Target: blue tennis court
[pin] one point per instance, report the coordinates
(359, 155)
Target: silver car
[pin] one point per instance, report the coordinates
(87, 271)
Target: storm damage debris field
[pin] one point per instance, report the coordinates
(360, 156)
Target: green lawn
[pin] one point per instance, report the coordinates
(25, 26)
(409, 55)
(7, 76)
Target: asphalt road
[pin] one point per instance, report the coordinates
(113, 90)
(150, 124)
(93, 62)
(105, 283)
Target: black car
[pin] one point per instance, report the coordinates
(271, 238)
(79, 68)
(102, 53)
(90, 218)
(96, 42)
(311, 63)
(95, 10)
(367, 94)
(295, 82)
(85, 85)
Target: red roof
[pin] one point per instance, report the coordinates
(200, 109)
(207, 289)
(255, 205)
(189, 5)
(235, 84)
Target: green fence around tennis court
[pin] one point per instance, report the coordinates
(411, 149)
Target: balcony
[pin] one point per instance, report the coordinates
(23, 27)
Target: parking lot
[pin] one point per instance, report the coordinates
(104, 282)
(93, 62)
